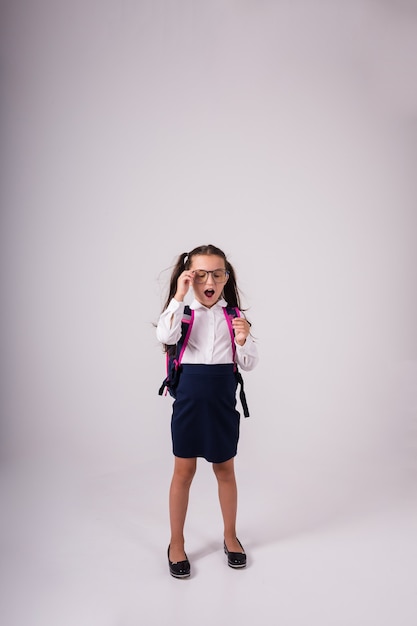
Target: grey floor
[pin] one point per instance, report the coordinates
(91, 551)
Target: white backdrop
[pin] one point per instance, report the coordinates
(283, 133)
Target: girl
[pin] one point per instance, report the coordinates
(205, 422)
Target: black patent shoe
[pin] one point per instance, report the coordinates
(179, 569)
(235, 559)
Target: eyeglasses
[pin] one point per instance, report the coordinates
(219, 276)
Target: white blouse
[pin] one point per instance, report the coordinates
(209, 342)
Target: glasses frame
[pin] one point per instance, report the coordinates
(218, 282)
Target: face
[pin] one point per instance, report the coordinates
(209, 291)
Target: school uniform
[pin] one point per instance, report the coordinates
(205, 421)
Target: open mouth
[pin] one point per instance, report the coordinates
(209, 293)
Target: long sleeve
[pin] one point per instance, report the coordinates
(247, 355)
(168, 329)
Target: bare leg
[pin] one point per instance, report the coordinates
(184, 470)
(225, 474)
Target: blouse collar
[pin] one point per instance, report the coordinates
(195, 304)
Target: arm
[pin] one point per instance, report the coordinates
(168, 329)
(246, 350)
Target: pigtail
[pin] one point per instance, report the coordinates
(182, 264)
(231, 291)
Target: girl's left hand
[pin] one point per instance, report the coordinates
(241, 328)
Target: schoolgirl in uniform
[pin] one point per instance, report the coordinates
(205, 422)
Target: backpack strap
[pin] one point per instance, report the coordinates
(175, 361)
(186, 324)
(230, 313)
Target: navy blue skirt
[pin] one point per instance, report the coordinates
(205, 422)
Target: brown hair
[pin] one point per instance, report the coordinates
(231, 291)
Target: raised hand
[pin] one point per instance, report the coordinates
(242, 329)
(184, 282)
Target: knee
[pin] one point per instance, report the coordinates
(224, 472)
(184, 474)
